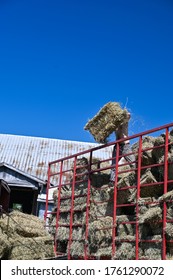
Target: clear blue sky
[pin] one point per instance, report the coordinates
(62, 60)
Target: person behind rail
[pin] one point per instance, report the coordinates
(124, 149)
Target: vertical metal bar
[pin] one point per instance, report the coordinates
(47, 193)
(165, 191)
(87, 210)
(58, 206)
(137, 197)
(115, 201)
(72, 209)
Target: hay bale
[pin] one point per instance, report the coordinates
(169, 231)
(144, 206)
(147, 148)
(61, 246)
(106, 121)
(77, 249)
(152, 250)
(24, 248)
(4, 245)
(78, 218)
(81, 168)
(23, 224)
(124, 229)
(64, 218)
(25, 237)
(152, 217)
(169, 246)
(169, 215)
(98, 164)
(101, 202)
(100, 179)
(105, 252)
(95, 164)
(79, 203)
(169, 256)
(158, 147)
(144, 231)
(165, 197)
(63, 233)
(151, 190)
(128, 195)
(101, 209)
(100, 194)
(100, 232)
(126, 251)
(127, 238)
(145, 203)
(161, 161)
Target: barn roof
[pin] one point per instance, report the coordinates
(32, 154)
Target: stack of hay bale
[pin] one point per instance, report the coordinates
(23, 237)
(147, 211)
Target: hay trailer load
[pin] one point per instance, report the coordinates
(131, 218)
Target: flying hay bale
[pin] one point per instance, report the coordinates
(36, 248)
(106, 121)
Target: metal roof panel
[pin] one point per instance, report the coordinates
(32, 154)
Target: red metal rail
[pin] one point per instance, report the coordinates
(82, 226)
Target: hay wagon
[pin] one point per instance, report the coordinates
(130, 218)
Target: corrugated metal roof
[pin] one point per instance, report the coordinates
(32, 154)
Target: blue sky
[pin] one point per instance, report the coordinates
(62, 60)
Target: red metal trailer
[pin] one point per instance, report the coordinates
(94, 218)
